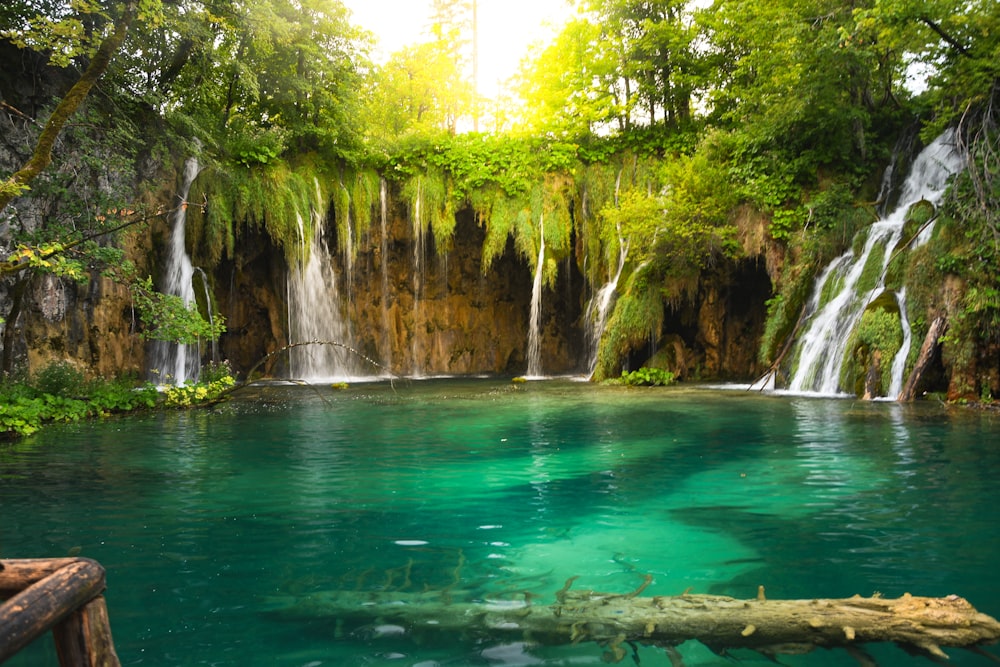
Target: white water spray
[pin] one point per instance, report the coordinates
(899, 361)
(823, 345)
(416, 348)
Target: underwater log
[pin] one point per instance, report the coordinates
(920, 625)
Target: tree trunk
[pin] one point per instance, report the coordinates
(918, 624)
(923, 359)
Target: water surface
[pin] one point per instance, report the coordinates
(211, 522)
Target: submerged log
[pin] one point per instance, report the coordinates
(920, 625)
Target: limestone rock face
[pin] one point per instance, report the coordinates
(250, 293)
(717, 335)
(418, 311)
(408, 307)
(91, 324)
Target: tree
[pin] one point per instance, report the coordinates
(417, 91)
(655, 45)
(566, 87)
(73, 239)
(620, 65)
(63, 48)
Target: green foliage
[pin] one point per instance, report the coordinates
(60, 378)
(364, 191)
(878, 333)
(60, 392)
(255, 146)
(199, 393)
(646, 377)
(166, 317)
(281, 198)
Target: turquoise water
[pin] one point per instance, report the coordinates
(213, 525)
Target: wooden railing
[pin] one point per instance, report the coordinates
(64, 595)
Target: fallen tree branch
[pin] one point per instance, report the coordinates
(249, 378)
(315, 342)
(919, 625)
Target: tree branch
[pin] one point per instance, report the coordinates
(952, 42)
(12, 266)
(42, 156)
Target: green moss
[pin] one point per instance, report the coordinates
(918, 215)
(871, 273)
(831, 288)
(340, 199)
(431, 205)
(895, 272)
(363, 187)
(637, 318)
(783, 311)
(879, 333)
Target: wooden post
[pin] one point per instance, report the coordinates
(62, 595)
(83, 639)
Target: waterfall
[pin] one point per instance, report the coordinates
(314, 314)
(534, 323)
(899, 362)
(417, 368)
(208, 308)
(596, 314)
(175, 363)
(837, 303)
(384, 249)
(348, 242)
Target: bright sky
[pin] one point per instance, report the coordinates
(506, 29)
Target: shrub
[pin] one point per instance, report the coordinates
(60, 378)
(647, 377)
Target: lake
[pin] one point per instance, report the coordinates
(213, 524)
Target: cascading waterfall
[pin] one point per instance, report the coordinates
(534, 322)
(314, 314)
(823, 345)
(175, 363)
(596, 313)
